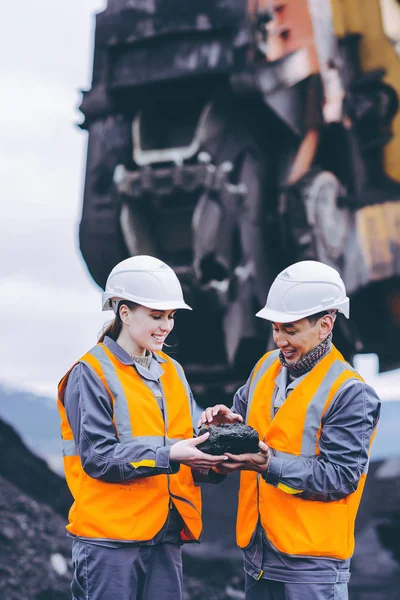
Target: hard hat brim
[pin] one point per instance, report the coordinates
(279, 317)
(168, 305)
(276, 316)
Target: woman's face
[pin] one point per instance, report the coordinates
(148, 328)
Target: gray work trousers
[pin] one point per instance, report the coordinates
(266, 589)
(126, 573)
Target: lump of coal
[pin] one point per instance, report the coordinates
(236, 439)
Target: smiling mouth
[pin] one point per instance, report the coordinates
(158, 338)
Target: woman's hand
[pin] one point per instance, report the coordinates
(186, 453)
(217, 415)
(248, 462)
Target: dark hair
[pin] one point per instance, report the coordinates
(113, 329)
(315, 317)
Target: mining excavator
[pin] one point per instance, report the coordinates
(231, 138)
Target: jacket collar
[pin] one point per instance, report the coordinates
(122, 354)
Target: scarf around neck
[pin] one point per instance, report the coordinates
(305, 364)
(144, 361)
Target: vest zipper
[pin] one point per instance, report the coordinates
(164, 414)
(163, 411)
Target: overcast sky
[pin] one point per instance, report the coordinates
(49, 307)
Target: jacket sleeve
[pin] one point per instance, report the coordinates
(103, 456)
(344, 447)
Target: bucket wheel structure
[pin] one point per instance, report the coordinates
(232, 138)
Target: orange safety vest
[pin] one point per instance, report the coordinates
(293, 525)
(133, 510)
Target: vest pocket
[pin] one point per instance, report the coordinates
(322, 529)
(305, 527)
(119, 512)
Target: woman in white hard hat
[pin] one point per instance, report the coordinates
(316, 418)
(129, 451)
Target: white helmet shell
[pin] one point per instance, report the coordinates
(145, 280)
(304, 289)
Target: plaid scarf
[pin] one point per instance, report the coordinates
(144, 361)
(302, 366)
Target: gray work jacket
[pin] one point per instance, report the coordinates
(89, 412)
(347, 428)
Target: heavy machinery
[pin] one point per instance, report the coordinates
(233, 137)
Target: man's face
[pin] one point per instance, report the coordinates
(297, 339)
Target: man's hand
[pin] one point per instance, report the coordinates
(217, 415)
(186, 453)
(247, 462)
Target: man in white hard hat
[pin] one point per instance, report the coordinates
(316, 418)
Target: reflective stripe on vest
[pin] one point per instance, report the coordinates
(133, 510)
(294, 525)
(183, 379)
(261, 368)
(315, 409)
(69, 448)
(121, 412)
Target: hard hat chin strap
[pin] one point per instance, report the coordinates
(114, 304)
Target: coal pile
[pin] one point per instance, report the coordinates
(35, 561)
(375, 565)
(35, 553)
(236, 439)
(222, 584)
(30, 473)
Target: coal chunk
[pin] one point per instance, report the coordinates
(236, 439)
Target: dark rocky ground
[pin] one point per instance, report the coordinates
(35, 553)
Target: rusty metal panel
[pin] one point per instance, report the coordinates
(288, 28)
(376, 51)
(378, 232)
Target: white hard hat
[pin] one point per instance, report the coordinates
(145, 280)
(304, 289)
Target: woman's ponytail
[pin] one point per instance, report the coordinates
(114, 328)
